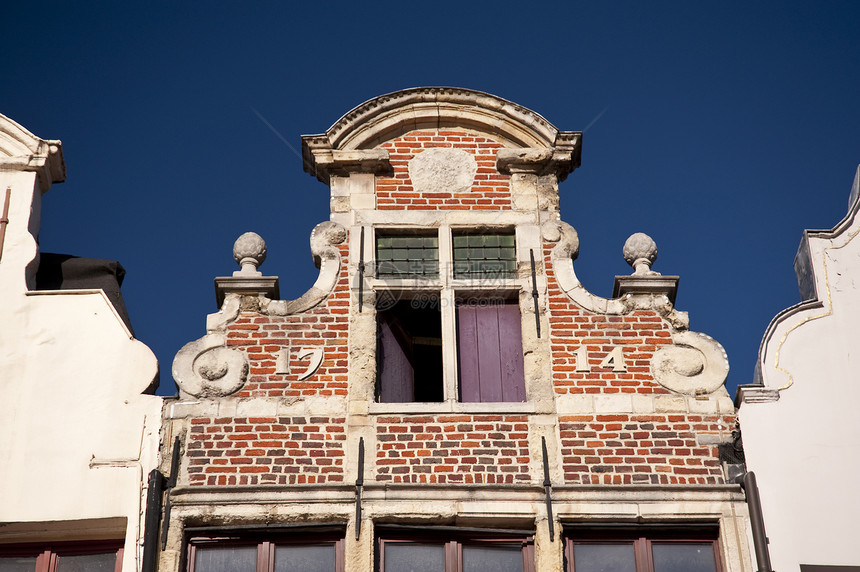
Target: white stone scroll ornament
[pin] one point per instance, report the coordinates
(207, 367)
(695, 364)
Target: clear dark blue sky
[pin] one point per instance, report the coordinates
(722, 129)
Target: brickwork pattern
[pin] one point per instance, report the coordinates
(452, 449)
(325, 326)
(639, 334)
(641, 449)
(266, 450)
(490, 189)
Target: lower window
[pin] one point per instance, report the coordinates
(266, 552)
(94, 556)
(461, 553)
(643, 550)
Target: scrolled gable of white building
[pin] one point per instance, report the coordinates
(799, 420)
(79, 431)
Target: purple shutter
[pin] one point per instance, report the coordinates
(396, 382)
(490, 353)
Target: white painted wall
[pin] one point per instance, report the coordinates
(800, 430)
(78, 438)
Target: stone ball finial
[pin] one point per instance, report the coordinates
(249, 251)
(640, 252)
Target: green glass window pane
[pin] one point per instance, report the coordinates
(384, 255)
(506, 240)
(491, 240)
(383, 242)
(431, 255)
(461, 241)
(399, 241)
(431, 241)
(400, 254)
(492, 253)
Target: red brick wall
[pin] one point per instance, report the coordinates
(647, 449)
(265, 450)
(490, 189)
(452, 449)
(325, 326)
(639, 334)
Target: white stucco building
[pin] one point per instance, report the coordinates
(79, 434)
(799, 422)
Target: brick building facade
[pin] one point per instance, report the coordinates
(447, 393)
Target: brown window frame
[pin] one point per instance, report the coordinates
(642, 538)
(48, 554)
(453, 542)
(265, 541)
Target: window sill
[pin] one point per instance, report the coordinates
(453, 407)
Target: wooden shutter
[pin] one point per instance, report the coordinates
(490, 353)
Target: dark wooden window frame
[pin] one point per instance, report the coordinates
(642, 538)
(454, 541)
(48, 554)
(266, 541)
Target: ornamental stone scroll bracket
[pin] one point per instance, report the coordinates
(650, 291)
(325, 238)
(695, 364)
(208, 368)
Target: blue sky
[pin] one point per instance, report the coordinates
(722, 129)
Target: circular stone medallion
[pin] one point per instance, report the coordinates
(442, 170)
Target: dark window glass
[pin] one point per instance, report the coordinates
(225, 559)
(407, 256)
(295, 558)
(484, 255)
(17, 563)
(604, 557)
(500, 558)
(683, 557)
(414, 557)
(87, 563)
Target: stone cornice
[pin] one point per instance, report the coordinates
(388, 116)
(20, 150)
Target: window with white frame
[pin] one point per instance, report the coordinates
(448, 317)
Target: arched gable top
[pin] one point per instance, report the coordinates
(388, 116)
(23, 151)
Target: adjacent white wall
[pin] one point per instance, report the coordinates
(800, 427)
(78, 437)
